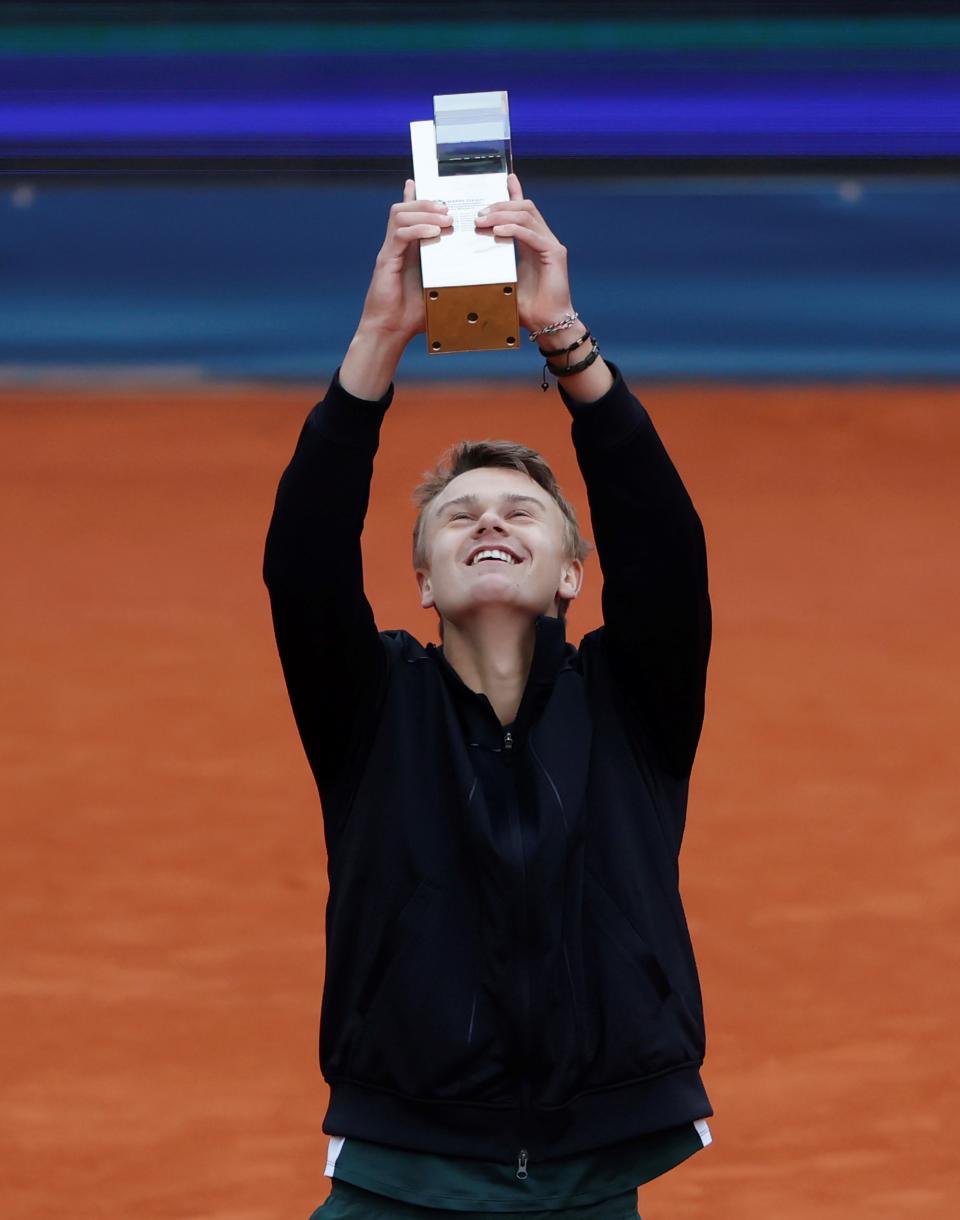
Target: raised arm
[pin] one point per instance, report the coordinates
(650, 543)
(328, 643)
(332, 658)
(649, 539)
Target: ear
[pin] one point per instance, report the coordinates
(426, 589)
(571, 578)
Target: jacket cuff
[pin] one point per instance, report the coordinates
(609, 420)
(347, 420)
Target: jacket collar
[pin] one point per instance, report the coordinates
(550, 654)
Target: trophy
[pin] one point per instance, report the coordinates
(462, 158)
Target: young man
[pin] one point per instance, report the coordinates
(511, 1017)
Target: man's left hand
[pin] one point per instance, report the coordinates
(543, 289)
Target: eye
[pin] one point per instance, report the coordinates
(459, 516)
(519, 512)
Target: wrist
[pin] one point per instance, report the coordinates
(589, 385)
(372, 336)
(556, 345)
(572, 355)
(370, 363)
(536, 322)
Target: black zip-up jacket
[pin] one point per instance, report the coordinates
(508, 966)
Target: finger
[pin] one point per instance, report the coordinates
(415, 215)
(421, 216)
(536, 241)
(409, 191)
(417, 205)
(399, 239)
(515, 191)
(417, 232)
(522, 212)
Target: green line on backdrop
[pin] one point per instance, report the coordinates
(786, 34)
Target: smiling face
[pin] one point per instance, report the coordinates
(494, 537)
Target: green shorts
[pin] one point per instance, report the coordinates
(349, 1202)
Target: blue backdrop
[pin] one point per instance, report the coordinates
(739, 278)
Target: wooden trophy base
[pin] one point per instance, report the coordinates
(471, 318)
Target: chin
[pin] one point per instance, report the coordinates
(481, 603)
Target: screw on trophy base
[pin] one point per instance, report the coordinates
(462, 158)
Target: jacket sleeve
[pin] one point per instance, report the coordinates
(331, 653)
(650, 543)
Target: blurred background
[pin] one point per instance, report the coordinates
(200, 183)
(760, 203)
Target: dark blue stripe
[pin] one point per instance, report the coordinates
(668, 104)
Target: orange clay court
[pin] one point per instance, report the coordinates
(163, 881)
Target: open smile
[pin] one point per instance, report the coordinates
(492, 554)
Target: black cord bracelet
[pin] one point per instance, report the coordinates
(562, 351)
(573, 368)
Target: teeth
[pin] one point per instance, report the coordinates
(493, 554)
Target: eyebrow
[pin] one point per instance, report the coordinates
(510, 497)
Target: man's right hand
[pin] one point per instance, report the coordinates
(393, 310)
(394, 303)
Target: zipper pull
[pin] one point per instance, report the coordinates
(522, 1164)
(508, 741)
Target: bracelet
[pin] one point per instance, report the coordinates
(562, 351)
(551, 329)
(571, 369)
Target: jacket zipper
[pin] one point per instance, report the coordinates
(524, 1084)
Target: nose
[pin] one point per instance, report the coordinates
(489, 519)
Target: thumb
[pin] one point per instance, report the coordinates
(409, 191)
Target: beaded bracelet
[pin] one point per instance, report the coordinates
(571, 369)
(551, 329)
